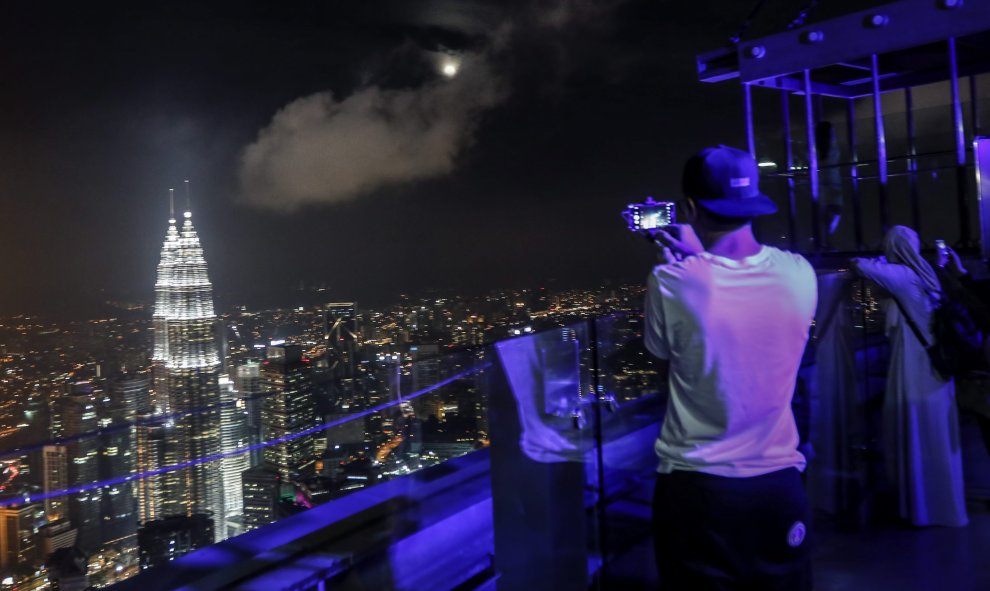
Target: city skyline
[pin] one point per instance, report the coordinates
(391, 391)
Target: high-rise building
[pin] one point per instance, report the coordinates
(261, 490)
(18, 525)
(186, 372)
(233, 433)
(118, 453)
(247, 381)
(340, 329)
(130, 394)
(77, 411)
(426, 365)
(289, 409)
(149, 490)
(167, 539)
(55, 476)
(56, 535)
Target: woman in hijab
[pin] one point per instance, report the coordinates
(920, 419)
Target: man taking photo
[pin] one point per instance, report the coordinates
(730, 319)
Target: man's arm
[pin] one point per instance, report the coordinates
(891, 277)
(654, 336)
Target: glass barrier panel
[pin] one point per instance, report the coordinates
(543, 461)
(851, 463)
(632, 395)
(118, 491)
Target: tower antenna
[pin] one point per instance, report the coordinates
(188, 198)
(171, 204)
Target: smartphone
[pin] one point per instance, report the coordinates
(941, 248)
(649, 215)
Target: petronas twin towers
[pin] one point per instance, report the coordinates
(186, 369)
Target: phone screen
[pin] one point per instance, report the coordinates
(653, 216)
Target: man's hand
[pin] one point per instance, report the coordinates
(676, 242)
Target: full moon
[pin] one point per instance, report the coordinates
(449, 69)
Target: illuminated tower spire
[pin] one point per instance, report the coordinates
(186, 367)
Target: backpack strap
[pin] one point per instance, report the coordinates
(910, 321)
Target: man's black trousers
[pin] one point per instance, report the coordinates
(714, 533)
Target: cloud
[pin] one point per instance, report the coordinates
(321, 149)
(325, 149)
(559, 14)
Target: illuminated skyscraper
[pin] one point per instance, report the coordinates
(55, 464)
(340, 329)
(118, 452)
(233, 425)
(247, 381)
(288, 410)
(261, 488)
(186, 372)
(18, 524)
(149, 490)
(76, 409)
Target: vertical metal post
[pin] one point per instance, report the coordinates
(750, 137)
(854, 172)
(912, 161)
(960, 132)
(601, 578)
(816, 231)
(748, 105)
(785, 109)
(881, 140)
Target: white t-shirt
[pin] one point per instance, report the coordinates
(734, 332)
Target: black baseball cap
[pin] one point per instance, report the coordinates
(725, 181)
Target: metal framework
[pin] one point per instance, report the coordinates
(891, 47)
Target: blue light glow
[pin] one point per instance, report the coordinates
(214, 457)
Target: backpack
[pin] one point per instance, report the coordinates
(958, 343)
(958, 347)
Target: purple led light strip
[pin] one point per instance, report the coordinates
(155, 419)
(150, 420)
(214, 457)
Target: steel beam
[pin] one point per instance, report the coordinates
(848, 38)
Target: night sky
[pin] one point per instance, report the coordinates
(324, 143)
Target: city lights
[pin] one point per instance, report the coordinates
(129, 466)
